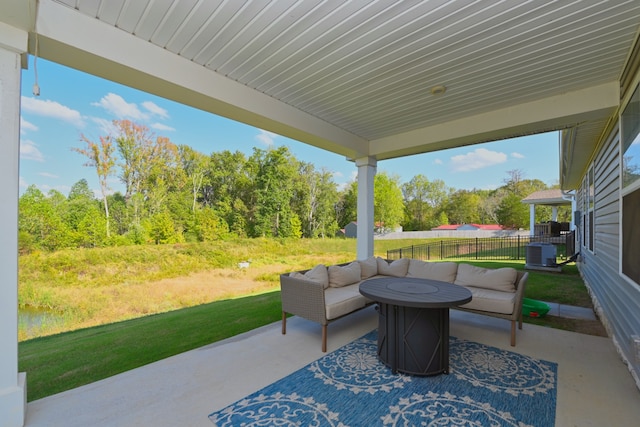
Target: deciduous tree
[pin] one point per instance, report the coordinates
(101, 157)
(315, 199)
(194, 165)
(422, 199)
(387, 201)
(463, 207)
(347, 207)
(40, 219)
(276, 169)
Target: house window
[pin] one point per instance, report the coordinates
(587, 205)
(631, 142)
(630, 173)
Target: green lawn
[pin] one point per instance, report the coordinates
(71, 359)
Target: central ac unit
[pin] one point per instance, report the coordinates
(541, 254)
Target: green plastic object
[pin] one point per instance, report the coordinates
(533, 308)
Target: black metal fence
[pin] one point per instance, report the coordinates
(489, 248)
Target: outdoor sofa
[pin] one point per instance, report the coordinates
(326, 293)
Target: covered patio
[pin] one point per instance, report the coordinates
(594, 386)
(553, 198)
(369, 80)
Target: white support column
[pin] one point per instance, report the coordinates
(554, 213)
(13, 390)
(574, 206)
(532, 219)
(366, 174)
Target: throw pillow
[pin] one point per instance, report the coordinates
(368, 267)
(345, 275)
(317, 274)
(443, 271)
(499, 279)
(397, 268)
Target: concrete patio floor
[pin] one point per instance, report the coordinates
(595, 388)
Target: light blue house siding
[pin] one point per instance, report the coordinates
(616, 299)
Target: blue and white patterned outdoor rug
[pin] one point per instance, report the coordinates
(487, 386)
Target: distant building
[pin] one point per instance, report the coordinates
(351, 229)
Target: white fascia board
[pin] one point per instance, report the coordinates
(13, 39)
(552, 113)
(18, 13)
(75, 40)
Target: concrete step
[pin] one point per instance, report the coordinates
(570, 312)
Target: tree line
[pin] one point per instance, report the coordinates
(173, 193)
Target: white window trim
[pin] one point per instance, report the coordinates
(591, 207)
(623, 191)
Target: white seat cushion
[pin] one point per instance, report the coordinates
(344, 300)
(490, 300)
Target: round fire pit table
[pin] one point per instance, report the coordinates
(413, 322)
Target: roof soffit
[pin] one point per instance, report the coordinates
(339, 74)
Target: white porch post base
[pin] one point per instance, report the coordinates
(13, 406)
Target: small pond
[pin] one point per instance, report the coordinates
(30, 318)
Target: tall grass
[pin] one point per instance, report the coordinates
(88, 287)
(82, 288)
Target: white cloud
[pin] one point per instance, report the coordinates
(266, 137)
(160, 126)
(517, 155)
(30, 151)
(121, 109)
(338, 174)
(156, 110)
(478, 159)
(27, 126)
(48, 108)
(23, 183)
(116, 105)
(106, 126)
(341, 186)
(48, 175)
(437, 162)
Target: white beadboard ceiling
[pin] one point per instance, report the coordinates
(355, 77)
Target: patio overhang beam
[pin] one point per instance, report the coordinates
(547, 114)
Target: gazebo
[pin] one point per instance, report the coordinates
(553, 198)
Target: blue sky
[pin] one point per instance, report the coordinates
(72, 104)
